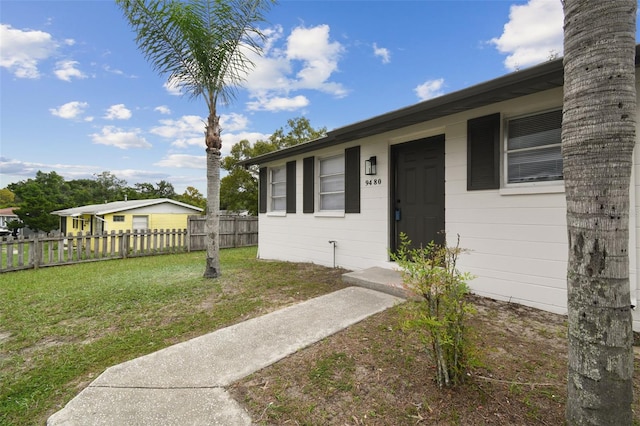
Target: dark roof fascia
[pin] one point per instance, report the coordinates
(548, 75)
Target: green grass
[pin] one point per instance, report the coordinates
(62, 326)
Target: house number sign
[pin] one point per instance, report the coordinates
(371, 182)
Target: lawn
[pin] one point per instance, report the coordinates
(60, 327)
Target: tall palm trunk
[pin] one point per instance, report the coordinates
(598, 136)
(212, 222)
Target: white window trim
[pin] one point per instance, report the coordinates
(319, 212)
(518, 188)
(270, 210)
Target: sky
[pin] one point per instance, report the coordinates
(77, 96)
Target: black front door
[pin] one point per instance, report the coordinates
(418, 194)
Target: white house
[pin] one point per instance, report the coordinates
(483, 162)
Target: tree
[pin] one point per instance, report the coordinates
(109, 187)
(38, 197)
(203, 46)
(6, 197)
(239, 189)
(162, 189)
(192, 196)
(598, 137)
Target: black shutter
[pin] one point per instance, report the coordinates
(262, 205)
(483, 152)
(308, 184)
(291, 187)
(352, 180)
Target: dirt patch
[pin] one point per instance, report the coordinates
(376, 373)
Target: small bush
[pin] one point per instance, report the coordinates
(430, 273)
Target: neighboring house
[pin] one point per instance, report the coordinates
(484, 163)
(6, 216)
(160, 213)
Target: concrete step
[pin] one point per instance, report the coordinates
(380, 279)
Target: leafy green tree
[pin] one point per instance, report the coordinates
(299, 131)
(239, 189)
(203, 46)
(7, 198)
(109, 187)
(38, 197)
(14, 226)
(192, 196)
(239, 192)
(162, 189)
(83, 192)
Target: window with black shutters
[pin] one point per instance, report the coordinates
(483, 153)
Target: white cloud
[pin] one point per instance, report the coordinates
(233, 122)
(188, 131)
(278, 104)
(163, 109)
(533, 34)
(318, 55)
(307, 61)
(70, 110)
(113, 136)
(430, 89)
(183, 161)
(382, 52)
(172, 88)
(118, 112)
(65, 70)
(187, 126)
(22, 50)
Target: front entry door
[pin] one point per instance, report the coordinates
(418, 196)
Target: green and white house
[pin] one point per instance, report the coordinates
(484, 163)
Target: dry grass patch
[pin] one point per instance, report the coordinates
(374, 373)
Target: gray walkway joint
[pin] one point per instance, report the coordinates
(185, 384)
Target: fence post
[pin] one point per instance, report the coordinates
(188, 235)
(36, 251)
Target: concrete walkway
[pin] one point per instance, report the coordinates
(185, 384)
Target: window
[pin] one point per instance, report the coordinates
(533, 149)
(118, 218)
(278, 188)
(75, 223)
(140, 223)
(332, 183)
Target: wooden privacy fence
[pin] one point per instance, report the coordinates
(235, 231)
(57, 249)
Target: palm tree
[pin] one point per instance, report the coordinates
(598, 137)
(204, 47)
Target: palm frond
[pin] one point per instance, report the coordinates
(204, 46)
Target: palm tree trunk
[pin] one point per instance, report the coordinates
(598, 137)
(212, 222)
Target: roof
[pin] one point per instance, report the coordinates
(548, 75)
(8, 211)
(119, 206)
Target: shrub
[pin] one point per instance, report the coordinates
(431, 274)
